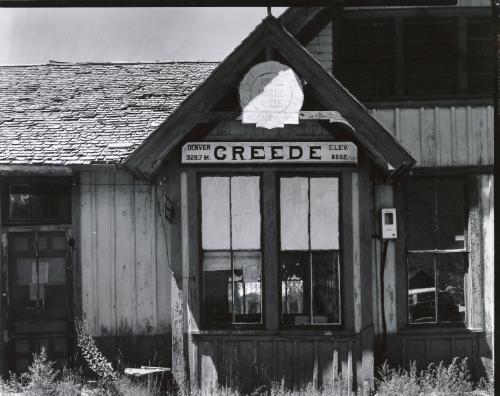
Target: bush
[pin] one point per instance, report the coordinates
(436, 380)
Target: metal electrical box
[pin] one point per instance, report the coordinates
(388, 221)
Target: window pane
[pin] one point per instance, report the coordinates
(294, 212)
(217, 286)
(247, 287)
(324, 213)
(451, 302)
(420, 220)
(215, 213)
(450, 211)
(245, 212)
(295, 288)
(326, 287)
(19, 202)
(421, 289)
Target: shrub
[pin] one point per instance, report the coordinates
(93, 357)
(436, 380)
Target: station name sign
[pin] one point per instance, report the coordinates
(269, 152)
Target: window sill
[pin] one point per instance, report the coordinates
(413, 331)
(274, 333)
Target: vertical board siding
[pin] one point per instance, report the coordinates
(443, 136)
(248, 362)
(125, 272)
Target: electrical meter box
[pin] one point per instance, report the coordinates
(389, 230)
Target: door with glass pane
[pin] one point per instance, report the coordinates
(38, 296)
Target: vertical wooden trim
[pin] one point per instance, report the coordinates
(270, 249)
(346, 275)
(356, 260)
(401, 274)
(3, 295)
(476, 249)
(336, 39)
(75, 258)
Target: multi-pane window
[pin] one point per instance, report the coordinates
(231, 242)
(309, 250)
(36, 203)
(480, 60)
(367, 57)
(430, 56)
(384, 57)
(436, 250)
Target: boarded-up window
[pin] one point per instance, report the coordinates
(231, 241)
(436, 255)
(310, 267)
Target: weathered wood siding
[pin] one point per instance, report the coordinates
(124, 267)
(443, 136)
(248, 361)
(321, 46)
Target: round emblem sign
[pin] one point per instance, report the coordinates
(271, 95)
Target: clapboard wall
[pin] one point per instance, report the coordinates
(443, 136)
(125, 277)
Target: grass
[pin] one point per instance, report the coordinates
(42, 379)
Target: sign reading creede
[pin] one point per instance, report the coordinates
(270, 96)
(266, 152)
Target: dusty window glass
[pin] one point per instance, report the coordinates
(231, 241)
(309, 233)
(436, 256)
(49, 202)
(37, 275)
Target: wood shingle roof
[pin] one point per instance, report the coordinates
(88, 113)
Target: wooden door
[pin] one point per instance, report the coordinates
(39, 294)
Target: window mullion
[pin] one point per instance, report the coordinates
(233, 306)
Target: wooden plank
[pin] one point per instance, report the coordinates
(475, 247)
(126, 303)
(487, 214)
(87, 252)
(491, 134)
(145, 268)
(3, 293)
(440, 350)
(34, 170)
(76, 250)
(209, 379)
(163, 271)
(356, 253)
(348, 248)
(105, 243)
(387, 118)
(444, 136)
(460, 155)
(415, 351)
(410, 132)
(428, 137)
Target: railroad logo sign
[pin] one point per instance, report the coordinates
(271, 96)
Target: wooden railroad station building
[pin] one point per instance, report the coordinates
(319, 201)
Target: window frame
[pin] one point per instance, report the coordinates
(65, 182)
(405, 253)
(201, 295)
(462, 16)
(340, 251)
